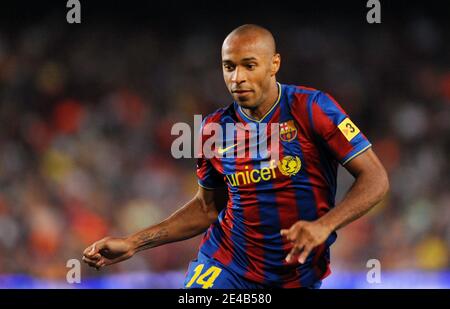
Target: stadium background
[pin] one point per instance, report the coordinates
(86, 112)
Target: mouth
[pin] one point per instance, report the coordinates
(241, 91)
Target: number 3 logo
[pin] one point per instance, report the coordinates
(350, 127)
(213, 272)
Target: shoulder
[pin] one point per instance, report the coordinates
(302, 98)
(302, 94)
(296, 89)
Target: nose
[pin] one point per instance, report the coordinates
(238, 76)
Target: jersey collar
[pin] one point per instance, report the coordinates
(266, 118)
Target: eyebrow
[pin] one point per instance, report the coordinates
(243, 60)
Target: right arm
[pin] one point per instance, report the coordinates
(189, 221)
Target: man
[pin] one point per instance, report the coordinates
(280, 219)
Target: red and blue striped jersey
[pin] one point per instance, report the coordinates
(315, 135)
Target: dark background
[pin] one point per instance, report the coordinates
(86, 111)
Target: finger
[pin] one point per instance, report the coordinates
(100, 264)
(90, 262)
(86, 251)
(96, 248)
(294, 251)
(95, 257)
(93, 249)
(89, 259)
(289, 257)
(289, 234)
(284, 232)
(90, 251)
(294, 232)
(304, 255)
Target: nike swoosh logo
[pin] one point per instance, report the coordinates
(223, 150)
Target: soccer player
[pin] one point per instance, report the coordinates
(281, 217)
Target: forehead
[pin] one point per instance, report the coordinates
(238, 48)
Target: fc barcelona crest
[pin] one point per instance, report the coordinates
(288, 131)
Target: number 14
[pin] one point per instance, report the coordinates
(213, 272)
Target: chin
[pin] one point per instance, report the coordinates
(247, 104)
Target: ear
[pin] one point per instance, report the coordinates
(276, 62)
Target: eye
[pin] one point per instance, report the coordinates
(251, 66)
(228, 67)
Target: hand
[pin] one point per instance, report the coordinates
(305, 236)
(108, 251)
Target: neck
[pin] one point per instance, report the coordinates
(265, 106)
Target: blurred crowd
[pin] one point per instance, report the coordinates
(85, 135)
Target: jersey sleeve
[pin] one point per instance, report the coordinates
(208, 176)
(335, 128)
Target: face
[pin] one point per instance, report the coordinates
(248, 70)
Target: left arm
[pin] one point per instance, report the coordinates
(370, 186)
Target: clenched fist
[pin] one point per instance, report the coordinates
(108, 251)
